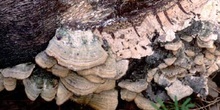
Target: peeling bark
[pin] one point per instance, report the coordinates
(27, 26)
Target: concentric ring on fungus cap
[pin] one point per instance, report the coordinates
(78, 85)
(76, 50)
(20, 71)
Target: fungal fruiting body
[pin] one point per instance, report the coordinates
(87, 65)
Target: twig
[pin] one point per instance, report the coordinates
(211, 103)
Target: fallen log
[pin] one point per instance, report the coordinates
(173, 40)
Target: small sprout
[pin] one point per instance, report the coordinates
(175, 106)
(186, 105)
(176, 103)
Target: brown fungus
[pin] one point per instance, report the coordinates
(211, 69)
(172, 71)
(32, 88)
(40, 83)
(151, 73)
(44, 61)
(9, 83)
(202, 44)
(190, 53)
(106, 70)
(111, 69)
(76, 50)
(137, 86)
(63, 94)
(127, 95)
(106, 100)
(108, 85)
(212, 88)
(165, 81)
(79, 85)
(179, 90)
(144, 103)
(94, 79)
(206, 37)
(49, 89)
(121, 68)
(59, 70)
(174, 46)
(170, 61)
(199, 59)
(1, 82)
(20, 71)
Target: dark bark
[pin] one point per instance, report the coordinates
(26, 26)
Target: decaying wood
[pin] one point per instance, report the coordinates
(128, 26)
(175, 38)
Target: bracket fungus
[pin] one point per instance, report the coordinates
(76, 50)
(170, 61)
(49, 89)
(172, 71)
(206, 37)
(151, 73)
(63, 94)
(40, 83)
(59, 71)
(106, 70)
(32, 89)
(173, 46)
(136, 86)
(95, 79)
(143, 103)
(1, 82)
(212, 88)
(44, 61)
(165, 81)
(78, 85)
(177, 53)
(127, 95)
(108, 85)
(199, 59)
(111, 69)
(81, 86)
(179, 90)
(9, 83)
(121, 68)
(106, 100)
(20, 71)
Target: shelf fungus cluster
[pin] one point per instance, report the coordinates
(76, 66)
(10, 75)
(184, 69)
(177, 54)
(84, 68)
